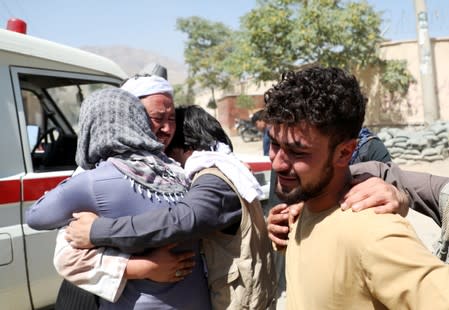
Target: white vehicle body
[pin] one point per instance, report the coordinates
(41, 88)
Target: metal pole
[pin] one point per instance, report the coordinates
(426, 64)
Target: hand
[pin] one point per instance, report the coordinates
(295, 211)
(277, 225)
(161, 265)
(78, 231)
(375, 193)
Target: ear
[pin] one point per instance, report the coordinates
(188, 153)
(343, 152)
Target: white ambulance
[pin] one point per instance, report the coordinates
(42, 85)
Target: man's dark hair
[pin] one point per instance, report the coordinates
(197, 130)
(327, 98)
(257, 116)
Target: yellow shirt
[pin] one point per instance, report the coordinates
(347, 260)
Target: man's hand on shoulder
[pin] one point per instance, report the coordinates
(375, 193)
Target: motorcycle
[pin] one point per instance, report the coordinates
(247, 131)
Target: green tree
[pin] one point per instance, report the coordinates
(263, 46)
(280, 34)
(208, 43)
(245, 102)
(183, 94)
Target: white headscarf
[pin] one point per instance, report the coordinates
(222, 158)
(147, 85)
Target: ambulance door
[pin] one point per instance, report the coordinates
(48, 104)
(14, 293)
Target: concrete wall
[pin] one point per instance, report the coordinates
(383, 110)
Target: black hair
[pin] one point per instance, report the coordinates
(257, 116)
(328, 98)
(197, 130)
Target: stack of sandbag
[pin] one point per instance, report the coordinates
(411, 145)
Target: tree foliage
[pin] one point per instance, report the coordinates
(280, 35)
(183, 94)
(264, 46)
(207, 45)
(245, 102)
(396, 77)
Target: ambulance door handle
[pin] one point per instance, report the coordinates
(5, 249)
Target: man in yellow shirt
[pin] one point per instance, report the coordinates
(336, 259)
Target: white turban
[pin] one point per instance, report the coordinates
(147, 85)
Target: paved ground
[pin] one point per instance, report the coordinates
(426, 229)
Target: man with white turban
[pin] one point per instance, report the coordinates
(156, 94)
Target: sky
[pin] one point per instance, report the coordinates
(151, 25)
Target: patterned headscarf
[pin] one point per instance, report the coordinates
(114, 125)
(113, 122)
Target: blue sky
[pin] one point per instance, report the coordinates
(150, 24)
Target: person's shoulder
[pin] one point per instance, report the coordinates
(210, 179)
(103, 171)
(213, 184)
(366, 226)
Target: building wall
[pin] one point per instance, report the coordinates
(228, 112)
(409, 110)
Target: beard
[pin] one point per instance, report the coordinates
(309, 191)
(163, 138)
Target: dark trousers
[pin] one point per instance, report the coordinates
(71, 297)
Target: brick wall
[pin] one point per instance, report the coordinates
(228, 112)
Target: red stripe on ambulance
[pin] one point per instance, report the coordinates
(33, 188)
(9, 191)
(259, 166)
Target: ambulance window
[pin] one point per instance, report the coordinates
(33, 110)
(69, 99)
(52, 107)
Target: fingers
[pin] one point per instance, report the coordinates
(378, 202)
(360, 178)
(185, 256)
(354, 200)
(78, 238)
(170, 246)
(180, 274)
(295, 211)
(278, 230)
(279, 242)
(357, 193)
(278, 214)
(184, 269)
(184, 260)
(89, 216)
(277, 225)
(278, 208)
(179, 256)
(375, 193)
